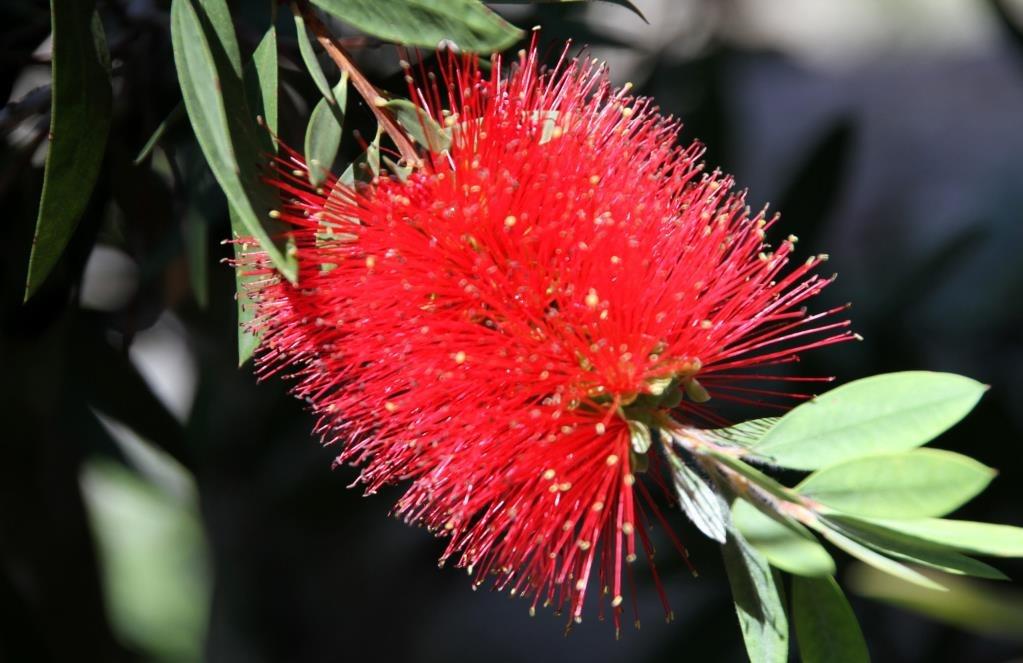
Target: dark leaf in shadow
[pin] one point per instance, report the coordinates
(115, 387)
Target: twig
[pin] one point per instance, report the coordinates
(361, 84)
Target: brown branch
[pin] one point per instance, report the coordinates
(361, 84)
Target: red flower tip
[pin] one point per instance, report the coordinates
(489, 329)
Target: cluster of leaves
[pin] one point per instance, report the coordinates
(870, 492)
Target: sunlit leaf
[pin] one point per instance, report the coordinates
(323, 133)
(826, 627)
(752, 474)
(704, 506)
(911, 549)
(789, 546)
(746, 433)
(312, 63)
(914, 484)
(879, 414)
(964, 535)
(875, 559)
(80, 114)
(467, 23)
(758, 602)
(420, 126)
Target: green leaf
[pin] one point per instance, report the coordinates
(752, 474)
(229, 142)
(786, 544)
(323, 134)
(758, 603)
(826, 627)
(877, 560)
(911, 549)
(746, 433)
(312, 63)
(366, 166)
(80, 115)
(175, 116)
(247, 340)
(261, 79)
(217, 16)
(623, 3)
(969, 604)
(704, 506)
(421, 127)
(154, 559)
(467, 23)
(963, 535)
(913, 484)
(879, 414)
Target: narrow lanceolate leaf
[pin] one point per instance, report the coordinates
(421, 127)
(79, 124)
(963, 535)
(704, 506)
(217, 16)
(230, 142)
(913, 550)
(365, 167)
(787, 545)
(880, 414)
(323, 133)
(312, 63)
(261, 87)
(826, 627)
(624, 3)
(914, 484)
(469, 24)
(877, 560)
(746, 433)
(261, 79)
(758, 602)
(247, 340)
(176, 115)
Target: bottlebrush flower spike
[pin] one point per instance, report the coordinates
(488, 329)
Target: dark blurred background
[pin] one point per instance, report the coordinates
(156, 503)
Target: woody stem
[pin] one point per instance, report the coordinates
(361, 84)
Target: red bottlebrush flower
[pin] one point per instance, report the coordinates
(486, 329)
